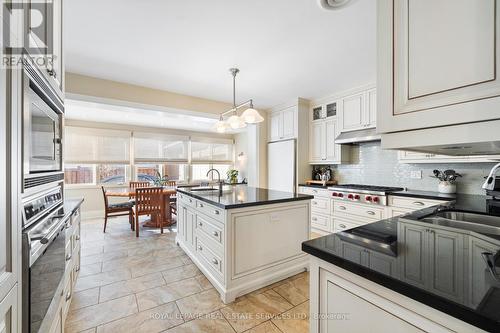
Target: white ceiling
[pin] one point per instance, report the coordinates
(284, 48)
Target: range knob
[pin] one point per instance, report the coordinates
(350, 196)
(356, 197)
(335, 194)
(368, 198)
(341, 195)
(376, 199)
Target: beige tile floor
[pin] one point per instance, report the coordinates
(148, 284)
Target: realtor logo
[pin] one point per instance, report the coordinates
(37, 43)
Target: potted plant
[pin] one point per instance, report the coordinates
(447, 180)
(160, 180)
(232, 176)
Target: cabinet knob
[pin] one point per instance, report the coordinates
(215, 233)
(77, 268)
(68, 257)
(314, 219)
(200, 224)
(418, 203)
(201, 205)
(314, 203)
(342, 226)
(370, 212)
(200, 248)
(216, 212)
(215, 261)
(68, 296)
(342, 208)
(77, 237)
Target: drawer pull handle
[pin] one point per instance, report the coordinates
(342, 208)
(200, 224)
(77, 237)
(418, 203)
(201, 205)
(315, 191)
(68, 296)
(314, 203)
(200, 248)
(68, 257)
(370, 212)
(314, 219)
(342, 226)
(215, 261)
(216, 212)
(190, 200)
(215, 233)
(77, 268)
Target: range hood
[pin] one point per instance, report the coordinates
(354, 137)
(471, 139)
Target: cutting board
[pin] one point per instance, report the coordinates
(319, 182)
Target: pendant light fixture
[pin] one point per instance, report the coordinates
(249, 116)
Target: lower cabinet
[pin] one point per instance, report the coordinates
(433, 260)
(480, 278)
(9, 312)
(374, 260)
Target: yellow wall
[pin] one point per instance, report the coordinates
(77, 84)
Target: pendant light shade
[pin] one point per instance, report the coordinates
(252, 116)
(221, 126)
(236, 122)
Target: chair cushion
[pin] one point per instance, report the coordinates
(127, 204)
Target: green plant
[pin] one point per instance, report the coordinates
(232, 175)
(160, 180)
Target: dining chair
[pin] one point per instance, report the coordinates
(173, 198)
(148, 201)
(117, 209)
(135, 185)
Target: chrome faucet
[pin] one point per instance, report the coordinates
(218, 179)
(489, 184)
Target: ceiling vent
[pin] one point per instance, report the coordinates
(333, 4)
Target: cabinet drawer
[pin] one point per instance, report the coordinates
(76, 264)
(187, 200)
(374, 213)
(206, 254)
(412, 203)
(320, 205)
(343, 225)
(67, 292)
(210, 228)
(209, 210)
(321, 222)
(317, 192)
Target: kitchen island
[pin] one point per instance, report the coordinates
(244, 238)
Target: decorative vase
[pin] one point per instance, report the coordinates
(447, 187)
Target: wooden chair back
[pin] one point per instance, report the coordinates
(106, 204)
(149, 200)
(135, 185)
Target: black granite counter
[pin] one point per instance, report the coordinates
(239, 196)
(460, 283)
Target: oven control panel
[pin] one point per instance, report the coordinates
(360, 197)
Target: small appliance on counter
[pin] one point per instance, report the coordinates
(322, 176)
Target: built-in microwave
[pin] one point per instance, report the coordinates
(42, 126)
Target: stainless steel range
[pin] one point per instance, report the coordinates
(367, 194)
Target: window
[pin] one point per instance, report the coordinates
(96, 156)
(154, 147)
(96, 174)
(199, 171)
(148, 172)
(208, 151)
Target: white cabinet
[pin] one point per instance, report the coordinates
(283, 124)
(353, 112)
(359, 111)
(433, 260)
(428, 79)
(323, 149)
(9, 322)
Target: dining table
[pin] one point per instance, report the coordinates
(154, 222)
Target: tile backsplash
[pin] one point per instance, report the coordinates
(372, 165)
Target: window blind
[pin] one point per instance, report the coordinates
(211, 150)
(160, 148)
(92, 145)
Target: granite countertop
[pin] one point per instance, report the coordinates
(425, 195)
(401, 251)
(238, 196)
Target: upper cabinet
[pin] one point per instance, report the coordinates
(44, 37)
(283, 124)
(359, 110)
(438, 65)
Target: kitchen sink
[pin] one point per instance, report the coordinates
(480, 223)
(203, 189)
